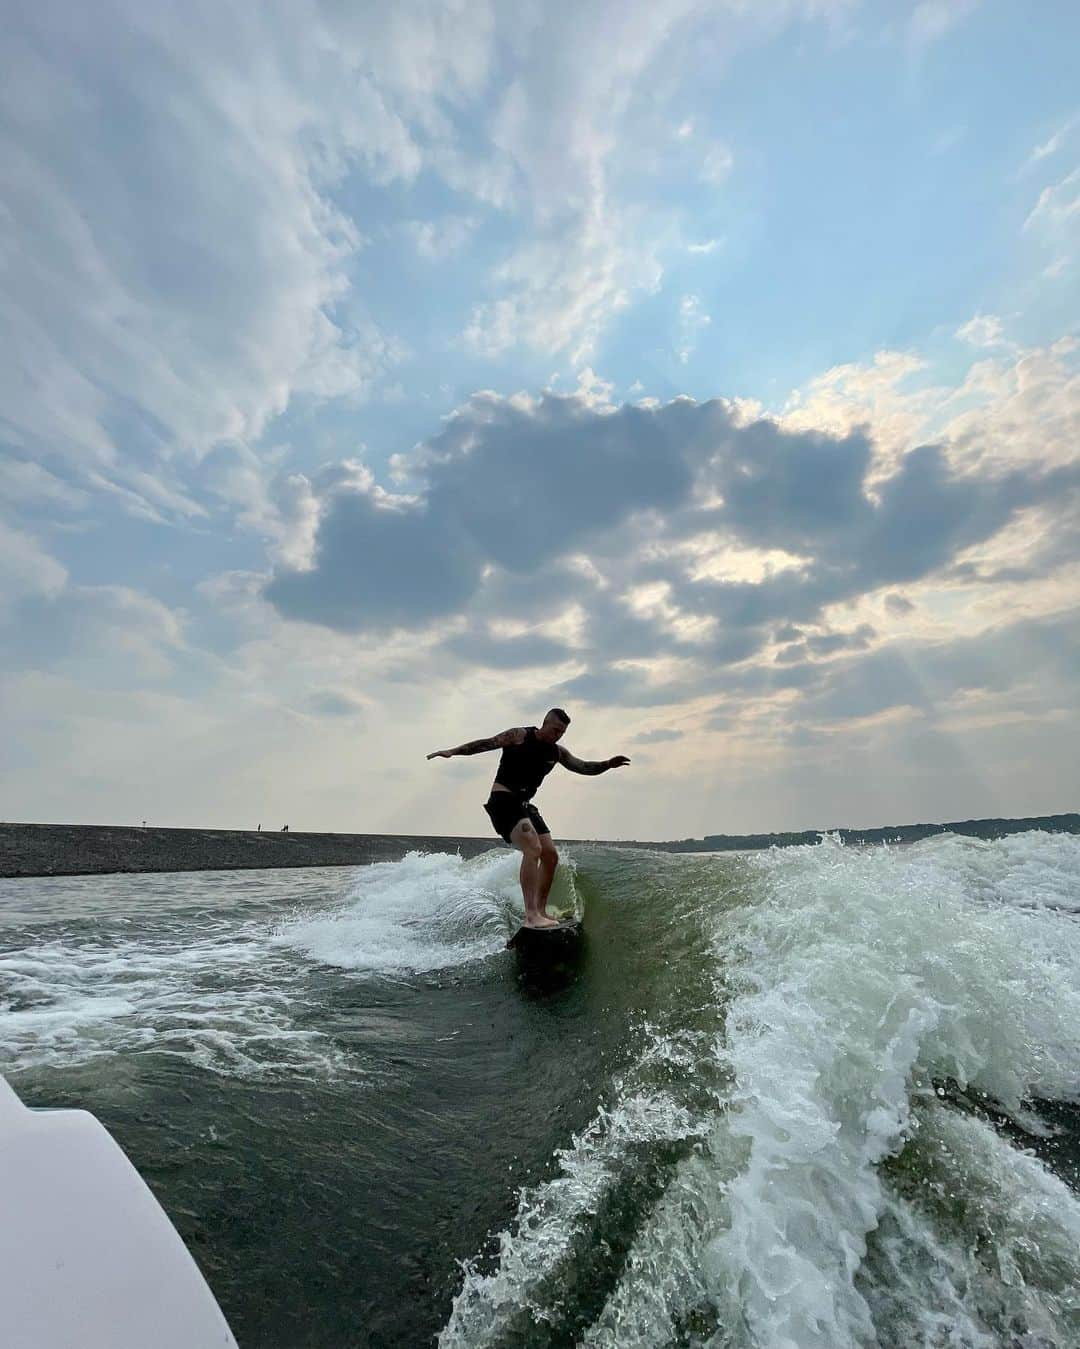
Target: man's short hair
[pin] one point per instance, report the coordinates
(558, 712)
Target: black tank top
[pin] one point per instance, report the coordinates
(523, 767)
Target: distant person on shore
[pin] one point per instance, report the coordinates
(529, 753)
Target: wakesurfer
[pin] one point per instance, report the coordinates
(529, 753)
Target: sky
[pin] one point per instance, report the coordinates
(377, 377)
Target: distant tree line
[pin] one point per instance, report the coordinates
(894, 833)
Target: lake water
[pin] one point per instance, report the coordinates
(815, 1097)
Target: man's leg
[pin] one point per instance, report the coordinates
(549, 860)
(525, 838)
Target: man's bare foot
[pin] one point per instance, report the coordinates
(540, 920)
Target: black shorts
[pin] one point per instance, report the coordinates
(508, 810)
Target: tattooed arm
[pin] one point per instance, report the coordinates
(514, 736)
(587, 767)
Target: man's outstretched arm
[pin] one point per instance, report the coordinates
(514, 736)
(586, 766)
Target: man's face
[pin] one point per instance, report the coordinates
(553, 729)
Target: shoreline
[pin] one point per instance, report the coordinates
(38, 850)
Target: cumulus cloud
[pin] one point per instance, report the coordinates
(1016, 407)
(378, 563)
(1017, 411)
(278, 506)
(514, 493)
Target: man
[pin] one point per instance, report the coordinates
(529, 753)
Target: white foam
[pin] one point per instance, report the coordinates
(1034, 870)
(427, 912)
(208, 983)
(867, 973)
(987, 1240)
(221, 1002)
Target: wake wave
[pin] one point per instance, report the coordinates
(216, 1001)
(828, 1195)
(427, 912)
(230, 993)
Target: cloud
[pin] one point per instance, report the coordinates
(853, 395)
(983, 330)
(1016, 408)
(335, 703)
(177, 268)
(378, 562)
(1058, 207)
(27, 485)
(563, 286)
(629, 542)
(931, 676)
(692, 323)
(106, 632)
(1054, 143)
(558, 128)
(524, 651)
(26, 569)
(278, 506)
(658, 737)
(184, 225)
(825, 644)
(556, 469)
(571, 130)
(1019, 411)
(706, 246)
(898, 605)
(1054, 221)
